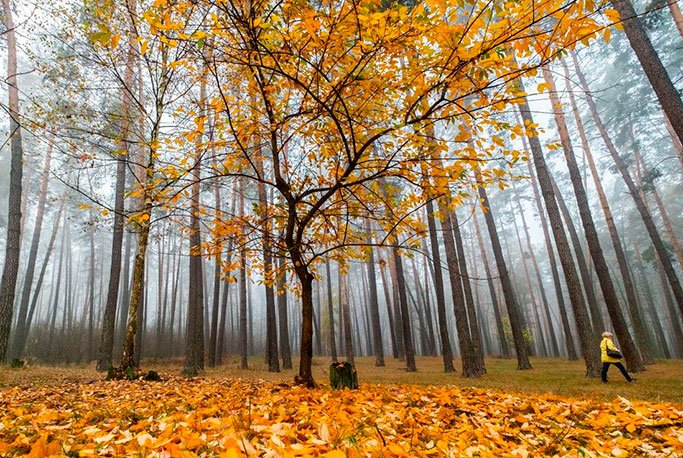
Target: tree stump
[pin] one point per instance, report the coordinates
(343, 375)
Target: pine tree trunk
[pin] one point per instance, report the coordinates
(376, 324)
(539, 336)
(564, 317)
(467, 289)
(581, 261)
(106, 348)
(10, 272)
(330, 312)
(554, 347)
(514, 312)
(587, 338)
(631, 298)
(427, 333)
(406, 326)
(609, 293)
(471, 364)
(668, 96)
(21, 330)
(492, 291)
(390, 314)
(446, 349)
(650, 226)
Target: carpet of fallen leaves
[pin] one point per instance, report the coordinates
(232, 418)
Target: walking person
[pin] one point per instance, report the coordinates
(609, 354)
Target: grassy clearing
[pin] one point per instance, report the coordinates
(662, 382)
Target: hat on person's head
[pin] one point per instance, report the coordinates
(606, 334)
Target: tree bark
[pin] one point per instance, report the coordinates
(471, 364)
(467, 289)
(645, 215)
(376, 326)
(668, 96)
(609, 293)
(587, 339)
(446, 349)
(21, 330)
(13, 245)
(406, 326)
(644, 342)
(492, 291)
(554, 347)
(514, 312)
(285, 350)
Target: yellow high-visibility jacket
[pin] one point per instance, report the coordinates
(604, 345)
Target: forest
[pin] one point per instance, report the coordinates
(441, 193)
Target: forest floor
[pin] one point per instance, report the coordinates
(552, 410)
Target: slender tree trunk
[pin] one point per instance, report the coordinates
(492, 291)
(584, 268)
(514, 312)
(344, 301)
(13, 241)
(661, 83)
(467, 289)
(106, 348)
(539, 334)
(387, 300)
(609, 293)
(446, 349)
(406, 326)
(397, 310)
(56, 287)
(374, 302)
(650, 226)
(285, 350)
(471, 364)
(330, 312)
(544, 298)
(587, 338)
(638, 324)
(39, 283)
(21, 330)
(564, 317)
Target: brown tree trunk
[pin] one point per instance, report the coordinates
(544, 298)
(581, 261)
(8, 284)
(106, 348)
(539, 336)
(609, 293)
(471, 364)
(564, 318)
(668, 96)
(492, 291)
(631, 298)
(446, 349)
(285, 350)
(330, 312)
(21, 330)
(390, 314)
(650, 226)
(373, 304)
(514, 312)
(587, 338)
(676, 15)
(406, 326)
(344, 302)
(467, 289)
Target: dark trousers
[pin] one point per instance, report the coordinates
(605, 367)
